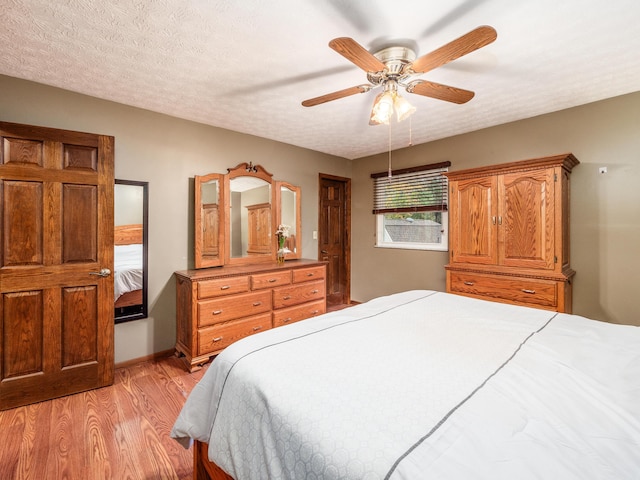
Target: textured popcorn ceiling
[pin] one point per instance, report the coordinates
(246, 65)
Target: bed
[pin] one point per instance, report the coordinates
(422, 384)
(127, 261)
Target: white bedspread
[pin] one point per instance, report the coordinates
(127, 262)
(421, 385)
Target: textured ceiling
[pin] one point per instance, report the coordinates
(246, 65)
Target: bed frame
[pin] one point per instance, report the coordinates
(203, 468)
(128, 235)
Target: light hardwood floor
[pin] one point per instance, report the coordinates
(119, 432)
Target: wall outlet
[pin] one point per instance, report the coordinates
(315, 235)
(602, 170)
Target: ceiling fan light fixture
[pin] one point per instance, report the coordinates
(386, 103)
(382, 109)
(403, 108)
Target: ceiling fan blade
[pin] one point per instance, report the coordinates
(357, 54)
(336, 95)
(467, 43)
(440, 92)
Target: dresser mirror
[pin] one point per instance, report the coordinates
(237, 214)
(130, 274)
(288, 210)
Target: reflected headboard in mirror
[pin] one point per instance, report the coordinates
(237, 214)
(130, 250)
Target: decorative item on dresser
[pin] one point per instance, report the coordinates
(218, 306)
(509, 233)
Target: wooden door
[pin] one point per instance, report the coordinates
(526, 214)
(334, 236)
(473, 221)
(56, 314)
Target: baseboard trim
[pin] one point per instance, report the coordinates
(146, 358)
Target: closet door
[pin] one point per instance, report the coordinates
(56, 256)
(473, 221)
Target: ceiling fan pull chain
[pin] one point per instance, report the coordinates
(410, 133)
(389, 174)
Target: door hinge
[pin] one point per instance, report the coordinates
(555, 177)
(555, 259)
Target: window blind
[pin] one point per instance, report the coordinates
(416, 189)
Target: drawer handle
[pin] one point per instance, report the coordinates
(315, 291)
(256, 328)
(217, 339)
(469, 283)
(309, 274)
(287, 297)
(285, 320)
(531, 292)
(257, 304)
(216, 312)
(271, 280)
(315, 312)
(225, 287)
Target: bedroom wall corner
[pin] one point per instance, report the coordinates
(604, 210)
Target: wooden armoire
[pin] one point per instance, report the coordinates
(509, 233)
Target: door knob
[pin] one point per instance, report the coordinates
(105, 272)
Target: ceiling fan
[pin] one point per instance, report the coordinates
(395, 65)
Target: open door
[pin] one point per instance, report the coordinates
(334, 236)
(56, 258)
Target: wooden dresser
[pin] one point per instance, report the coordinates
(218, 306)
(509, 233)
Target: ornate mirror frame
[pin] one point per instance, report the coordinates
(217, 220)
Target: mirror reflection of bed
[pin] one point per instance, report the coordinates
(129, 259)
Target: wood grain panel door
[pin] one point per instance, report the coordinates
(334, 236)
(56, 308)
(473, 221)
(526, 234)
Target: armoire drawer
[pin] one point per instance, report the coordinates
(271, 279)
(222, 286)
(284, 316)
(516, 289)
(308, 274)
(298, 293)
(229, 308)
(221, 335)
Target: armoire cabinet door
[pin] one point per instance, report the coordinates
(526, 219)
(473, 221)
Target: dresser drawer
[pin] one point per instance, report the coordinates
(307, 274)
(236, 306)
(288, 315)
(298, 293)
(223, 334)
(271, 279)
(522, 290)
(222, 286)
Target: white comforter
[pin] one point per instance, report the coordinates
(422, 385)
(127, 263)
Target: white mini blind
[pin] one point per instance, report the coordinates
(416, 189)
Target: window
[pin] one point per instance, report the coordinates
(411, 208)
